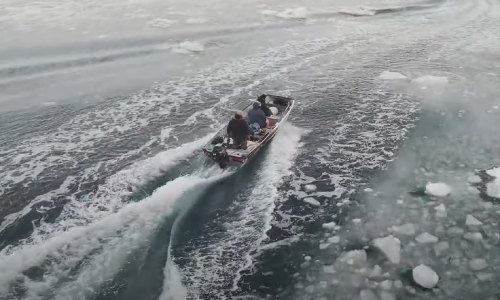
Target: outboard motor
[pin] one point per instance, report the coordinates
(220, 155)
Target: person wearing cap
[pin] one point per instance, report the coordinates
(256, 115)
(237, 129)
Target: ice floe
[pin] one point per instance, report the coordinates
(386, 75)
(426, 238)
(310, 187)
(438, 189)
(188, 47)
(425, 276)
(478, 264)
(441, 248)
(474, 236)
(441, 211)
(474, 179)
(354, 257)
(472, 221)
(330, 225)
(312, 201)
(405, 229)
(493, 188)
(390, 246)
(334, 239)
(430, 80)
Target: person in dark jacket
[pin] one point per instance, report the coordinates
(263, 105)
(256, 115)
(237, 129)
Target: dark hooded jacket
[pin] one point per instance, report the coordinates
(237, 128)
(263, 105)
(256, 115)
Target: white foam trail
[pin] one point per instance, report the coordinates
(109, 196)
(117, 234)
(255, 207)
(173, 289)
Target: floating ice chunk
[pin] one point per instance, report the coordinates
(455, 231)
(368, 190)
(293, 13)
(425, 276)
(386, 284)
(188, 47)
(495, 172)
(330, 225)
(329, 269)
(431, 80)
(312, 201)
(367, 295)
(356, 221)
(425, 238)
(440, 211)
(398, 284)
(483, 276)
(310, 187)
(376, 272)
(307, 258)
(478, 264)
(438, 189)
(354, 257)
(406, 229)
(323, 246)
(384, 295)
(359, 11)
(386, 75)
(471, 221)
(474, 179)
(334, 239)
(476, 236)
(441, 247)
(390, 246)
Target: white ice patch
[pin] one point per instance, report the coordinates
(430, 80)
(405, 229)
(478, 264)
(386, 75)
(334, 239)
(426, 238)
(472, 221)
(474, 179)
(329, 226)
(189, 47)
(425, 276)
(312, 201)
(441, 211)
(310, 187)
(354, 257)
(438, 189)
(390, 246)
(493, 188)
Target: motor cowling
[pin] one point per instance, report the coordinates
(220, 155)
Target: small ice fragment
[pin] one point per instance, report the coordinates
(425, 238)
(438, 189)
(323, 246)
(400, 201)
(386, 75)
(354, 257)
(337, 227)
(384, 295)
(398, 284)
(455, 231)
(310, 187)
(483, 276)
(478, 264)
(406, 229)
(307, 258)
(476, 236)
(367, 295)
(356, 221)
(390, 246)
(425, 276)
(441, 247)
(368, 190)
(440, 211)
(376, 272)
(312, 201)
(430, 80)
(334, 239)
(386, 284)
(330, 225)
(474, 179)
(329, 269)
(471, 221)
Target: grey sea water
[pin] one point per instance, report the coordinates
(104, 106)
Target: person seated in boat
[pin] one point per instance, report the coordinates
(237, 129)
(263, 105)
(256, 116)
